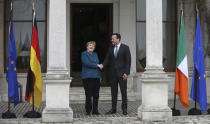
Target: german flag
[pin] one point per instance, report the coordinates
(34, 79)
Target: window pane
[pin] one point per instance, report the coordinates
(23, 31)
(169, 8)
(23, 9)
(169, 34)
(169, 45)
(141, 10)
(42, 43)
(141, 45)
(22, 34)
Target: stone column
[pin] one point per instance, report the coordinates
(1, 38)
(155, 81)
(57, 78)
(68, 37)
(127, 29)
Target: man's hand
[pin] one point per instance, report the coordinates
(125, 76)
(100, 66)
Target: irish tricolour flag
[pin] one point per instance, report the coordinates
(181, 80)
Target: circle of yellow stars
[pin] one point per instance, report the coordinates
(203, 76)
(12, 62)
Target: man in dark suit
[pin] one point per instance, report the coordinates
(120, 58)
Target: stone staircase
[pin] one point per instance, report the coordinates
(78, 94)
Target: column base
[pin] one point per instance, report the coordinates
(61, 115)
(154, 96)
(154, 113)
(57, 97)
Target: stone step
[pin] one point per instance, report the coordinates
(78, 93)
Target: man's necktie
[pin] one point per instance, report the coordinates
(116, 51)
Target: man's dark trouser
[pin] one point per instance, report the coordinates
(91, 86)
(114, 80)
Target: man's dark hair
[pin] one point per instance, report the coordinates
(118, 35)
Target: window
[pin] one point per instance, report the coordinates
(22, 23)
(169, 34)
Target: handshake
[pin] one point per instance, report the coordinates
(100, 66)
(125, 76)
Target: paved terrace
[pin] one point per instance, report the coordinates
(104, 106)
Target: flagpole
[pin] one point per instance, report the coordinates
(32, 31)
(195, 111)
(176, 112)
(9, 100)
(9, 104)
(33, 113)
(196, 76)
(8, 114)
(174, 100)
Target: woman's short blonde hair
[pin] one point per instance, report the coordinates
(91, 42)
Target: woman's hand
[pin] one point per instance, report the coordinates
(100, 66)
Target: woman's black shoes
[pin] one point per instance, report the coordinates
(96, 113)
(111, 112)
(87, 113)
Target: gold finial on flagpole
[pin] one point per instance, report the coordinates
(11, 6)
(181, 5)
(196, 7)
(33, 6)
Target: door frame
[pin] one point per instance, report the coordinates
(92, 5)
(115, 23)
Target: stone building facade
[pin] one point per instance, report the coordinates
(148, 27)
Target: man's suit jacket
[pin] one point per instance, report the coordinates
(120, 64)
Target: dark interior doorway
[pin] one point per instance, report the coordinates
(89, 22)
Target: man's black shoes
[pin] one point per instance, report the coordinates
(111, 112)
(96, 113)
(125, 112)
(87, 113)
(114, 111)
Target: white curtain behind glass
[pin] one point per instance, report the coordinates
(22, 16)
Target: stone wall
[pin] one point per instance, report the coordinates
(190, 23)
(2, 80)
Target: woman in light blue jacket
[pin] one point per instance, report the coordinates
(91, 78)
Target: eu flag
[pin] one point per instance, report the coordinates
(199, 75)
(11, 67)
